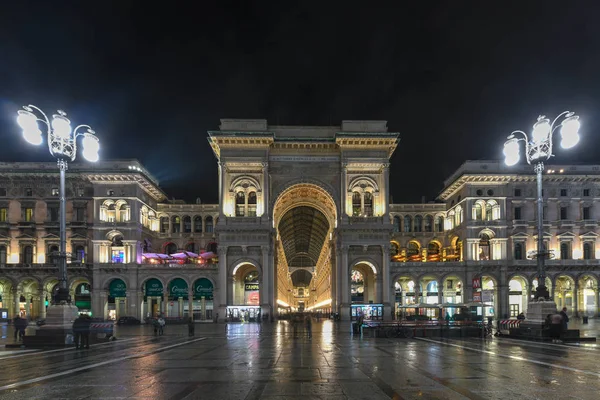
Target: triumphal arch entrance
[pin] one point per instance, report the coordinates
(304, 222)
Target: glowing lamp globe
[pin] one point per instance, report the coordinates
(541, 131)
(91, 146)
(61, 126)
(569, 132)
(511, 152)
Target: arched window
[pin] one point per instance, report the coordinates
(123, 213)
(587, 251)
(433, 251)
(519, 251)
(565, 251)
(80, 253)
(394, 249)
(187, 224)
(27, 255)
(252, 204)
(413, 251)
(356, 204)
(418, 223)
(198, 224)
(209, 224)
(477, 212)
(164, 224)
(368, 204)
(3, 255)
(176, 224)
(428, 223)
(240, 204)
(111, 213)
(407, 223)
(171, 248)
(484, 247)
(458, 216)
(396, 223)
(488, 211)
(439, 224)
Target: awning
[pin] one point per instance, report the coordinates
(207, 255)
(184, 254)
(156, 256)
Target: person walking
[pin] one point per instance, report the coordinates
(17, 323)
(555, 327)
(80, 327)
(161, 325)
(191, 327)
(565, 319)
(308, 326)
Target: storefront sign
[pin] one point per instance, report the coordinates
(477, 297)
(476, 283)
(178, 288)
(154, 287)
(203, 288)
(487, 296)
(117, 288)
(251, 286)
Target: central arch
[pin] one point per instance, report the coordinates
(304, 217)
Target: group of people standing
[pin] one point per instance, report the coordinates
(557, 323)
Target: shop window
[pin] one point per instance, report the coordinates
(517, 213)
(3, 255)
(240, 204)
(428, 223)
(3, 214)
(252, 204)
(176, 224)
(519, 251)
(198, 224)
(187, 224)
(164, 224)
(356, 204)
(407, 223)
(563, 213)
(118, 256)
(565, 251)
(368, 204)
(588, 250)
(418, 223)
(209, 224)
(396, 223)
(586, 213)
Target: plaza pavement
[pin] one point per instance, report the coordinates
(251, 361)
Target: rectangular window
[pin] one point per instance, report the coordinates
(563, 192)
(118, 256)
(80, 192)
(79, 214)
(545, 212)
(586, 213)
(28, 192)
(586, 192)
(54, 191)
(517, 192)
(28, 214)
(563, 213)
(53, 214)
(517, 213)
(2, 192)
(3, 214)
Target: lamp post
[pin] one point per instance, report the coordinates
(62, 143)
(538, 148)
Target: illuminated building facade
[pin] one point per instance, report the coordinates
(303, 223)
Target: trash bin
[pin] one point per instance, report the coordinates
(585, 319)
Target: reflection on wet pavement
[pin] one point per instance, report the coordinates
(265, 361)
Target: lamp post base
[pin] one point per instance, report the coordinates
(59, 324)
(537, 311)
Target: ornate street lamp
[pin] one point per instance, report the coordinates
(62, 142)
(538, 148)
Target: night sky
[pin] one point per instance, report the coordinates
(454, 78)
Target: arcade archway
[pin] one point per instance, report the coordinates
(305, 217)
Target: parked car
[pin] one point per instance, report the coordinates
(128, 321)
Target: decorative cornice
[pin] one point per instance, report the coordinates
(148, 186)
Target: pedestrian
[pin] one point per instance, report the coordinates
(79, 328)
(565, 319)
(161, 326)
(308, 326)
(521, 316)
(191, 327)
(555, 327)
(217, 318)
(17, 323)
(156, 325)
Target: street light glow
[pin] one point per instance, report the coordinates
(61, 127)
(569, 132)
(31, 132)
(511, 152)
(541, 130)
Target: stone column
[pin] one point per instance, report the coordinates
(575, 298)
(103, 301)
(97, 306)
(503, 301)
(16, 299)
(165, 302)
(180, 307)
(267, 296)
(345, 280)
(344, 190)
(42, 305)
(132, 303)
(266, 189)
(597, 302)
(191, 302)
(385, 199)
(385, 275)
(334, 279)
(220, 299)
